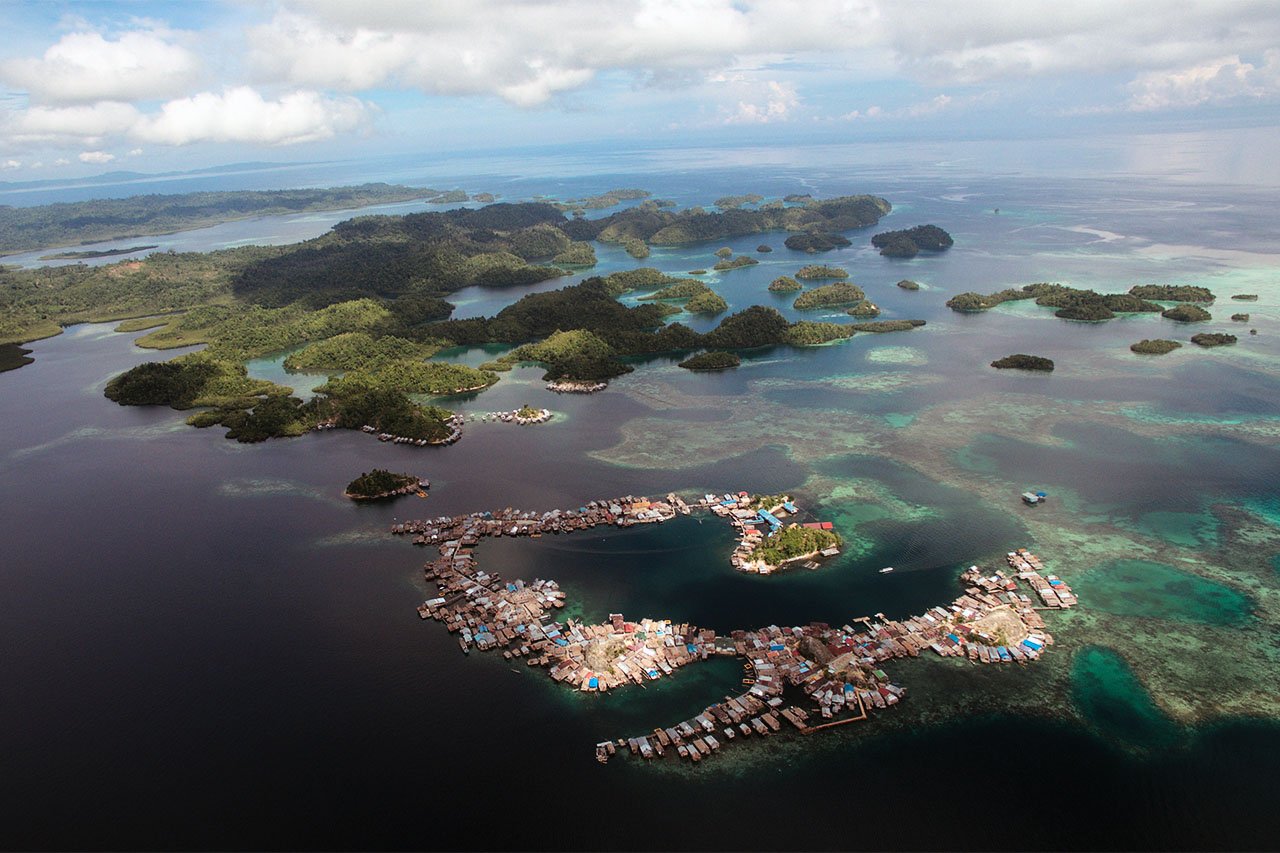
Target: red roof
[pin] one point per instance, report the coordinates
(826, 525)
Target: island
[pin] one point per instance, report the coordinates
(366, 303)
(829, 296)
(89, 254)
(1245, 297)
(1240, 318)
(785, 284)
(380, 484)
(526, 415)
(711, 361)
(1071, 303)
(805, 333)
(908, 284)
(1172, 292)
(1213, 339)
(794, 544)
(98, 220)
(764, 248)
(735, 263)
(816, 272)
(888, 326)
(1021, 361)
(1155, 346)
(910, 242)
(816, 241)
(724, 252)
(865, 308)
(1186, 313)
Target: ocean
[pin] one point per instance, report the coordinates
(205, 645)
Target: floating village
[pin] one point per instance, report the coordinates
(806, 677)
(576, 386)
(520, 417)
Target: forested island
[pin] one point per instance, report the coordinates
(817, 272)
(785, 284)
(829, 296)
(1021, 361)
(711, 361)
(23, 229)
(1071, 303)
(1187, 314)
(379, 484)
(1213, 339)
(1156, 346)
(795, 543)
(369, 299)
(816, 241)
(912, 241)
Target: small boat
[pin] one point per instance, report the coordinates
(421, 493)
(886, 570)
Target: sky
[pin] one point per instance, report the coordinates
(142, 85)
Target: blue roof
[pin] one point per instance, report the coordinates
(562, 642)
(594, 682)
(953, 638)
(789, 506)
(769, 517)
(776, 647)
(691, 647)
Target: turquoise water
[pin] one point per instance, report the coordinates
(1113, 701)
(1157, 591)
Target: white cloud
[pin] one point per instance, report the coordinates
(240, 114)
(243, 115)
(777, 103)
(83, 67)
(1224, 80)
(135, 152)
(108, 118)
(528, 52)
(96, 157)
(11, 164)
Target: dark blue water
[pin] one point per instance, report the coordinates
(205, 645)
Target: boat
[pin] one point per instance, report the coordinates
(886, 570)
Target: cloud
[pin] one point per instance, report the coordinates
(243, 115)
(108, 118)
(777, 104)
(11, 164)
(96, 157)
(1219, 81)
(239, 114)
(83, 67)
(529, 52)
